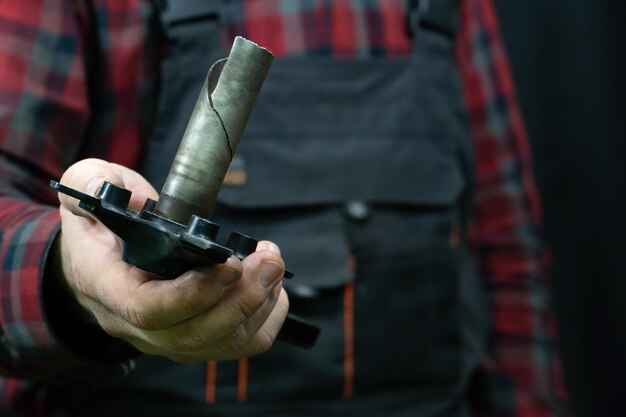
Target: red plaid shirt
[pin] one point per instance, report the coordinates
(48, 121)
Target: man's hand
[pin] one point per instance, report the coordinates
(221, 311)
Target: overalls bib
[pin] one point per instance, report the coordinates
(360, 170)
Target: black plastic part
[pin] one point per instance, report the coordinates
(116, 197)
(243, 245)
(151, 242)
(299, 332)
(203, 228)
(167, 249)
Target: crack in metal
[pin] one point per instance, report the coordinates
(219, 117)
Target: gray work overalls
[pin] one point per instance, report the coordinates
(359, 169)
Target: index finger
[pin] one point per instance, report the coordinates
(88, 176)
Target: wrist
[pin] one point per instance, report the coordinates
(70, 323)
(57, 290)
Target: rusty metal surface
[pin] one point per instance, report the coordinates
(213, 132)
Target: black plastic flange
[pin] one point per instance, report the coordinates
(168, 249)
(151, 242)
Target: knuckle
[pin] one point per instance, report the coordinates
(196, 303)
(109, 328)
(239, 336)
(185, 343)
(234, 342)
(226, 348)
(191, 343)
(114, 327)
(246, 305)
(139, 318)
(264, 341)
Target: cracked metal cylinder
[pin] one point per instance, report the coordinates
(213, 132)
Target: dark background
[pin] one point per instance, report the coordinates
(568, 59)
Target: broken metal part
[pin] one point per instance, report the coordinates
(213, 133)
(172, 235)
(152, 243)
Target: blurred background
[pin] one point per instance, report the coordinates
(569, 62)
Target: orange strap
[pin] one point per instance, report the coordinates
(348, 327)
(242, 381)
(211, 378)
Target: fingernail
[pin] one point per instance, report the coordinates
(269, 246)
(269, 273)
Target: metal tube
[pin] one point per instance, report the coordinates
(213, 132)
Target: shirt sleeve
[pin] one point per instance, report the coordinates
(521, 375)
(44, 113)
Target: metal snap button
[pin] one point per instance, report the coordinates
(357, 210)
